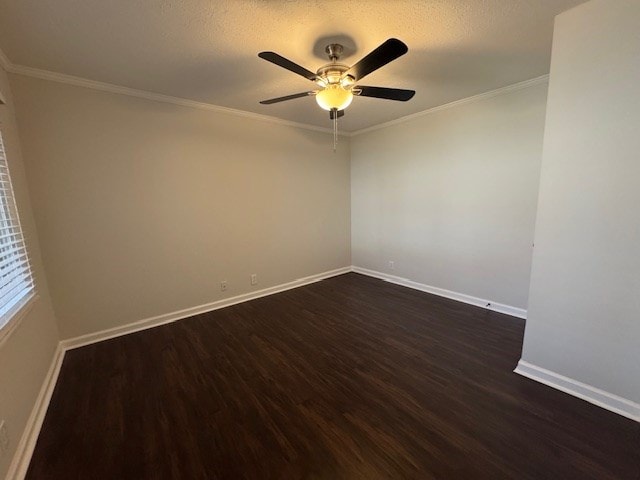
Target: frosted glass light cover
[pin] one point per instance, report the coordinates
(334, 96)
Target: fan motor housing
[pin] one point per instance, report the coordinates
(334, 73)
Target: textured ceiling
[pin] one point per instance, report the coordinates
(206, 50)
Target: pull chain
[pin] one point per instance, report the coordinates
(335, 130)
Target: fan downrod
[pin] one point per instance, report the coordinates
(334, 50)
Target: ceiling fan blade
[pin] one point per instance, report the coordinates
(385, 53)
(288, 97)
(288, 64)
(386, 93)
(332, 114)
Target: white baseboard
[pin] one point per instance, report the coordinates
(189, 312)
(460, 297)
(20, 463)
(594, 395)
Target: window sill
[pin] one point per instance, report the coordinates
(17, 313)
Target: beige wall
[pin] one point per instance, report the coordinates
(584, 314)
(25, 355)
(450, 197)
(144, 207)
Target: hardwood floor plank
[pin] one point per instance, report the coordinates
(348, 378)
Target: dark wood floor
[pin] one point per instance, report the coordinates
(349, 378)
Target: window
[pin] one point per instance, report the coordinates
(16, 280)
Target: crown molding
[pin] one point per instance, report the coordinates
(157, 97)
(5, 63)
(491, 93)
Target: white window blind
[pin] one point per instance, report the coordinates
(16, 280)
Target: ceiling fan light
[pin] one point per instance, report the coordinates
(334, 97)
(347, 81)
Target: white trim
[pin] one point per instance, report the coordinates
(5, 63)
(20, 463)
(606, 400)
(90, 338)
(24, 451)
(460, 297)
(19, 311)
(157, 97)
(492, 93)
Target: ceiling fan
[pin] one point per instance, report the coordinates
(338, 83)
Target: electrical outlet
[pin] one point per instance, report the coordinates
(392, 265)
(254, 279)
(223, 286)
(4, 437)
